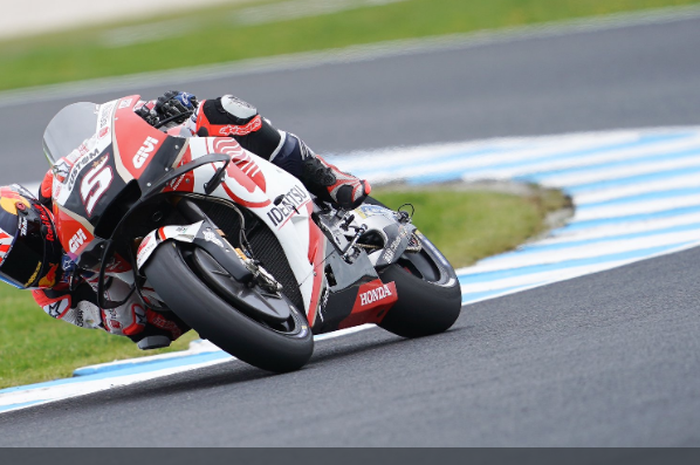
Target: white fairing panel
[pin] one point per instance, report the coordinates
(275, 196)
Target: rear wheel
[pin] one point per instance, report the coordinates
(269, 343)
(430, 298)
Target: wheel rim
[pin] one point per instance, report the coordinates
(295, 325)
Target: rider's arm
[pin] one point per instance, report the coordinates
(230, 116)
(79, 307)
(76, 307)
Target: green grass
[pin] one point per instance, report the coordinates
(213, 35)
(465, 225)
(35, 347)
(470, 225)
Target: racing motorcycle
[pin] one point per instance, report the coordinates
(232, 244)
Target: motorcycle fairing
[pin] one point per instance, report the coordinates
(346, 302)
(125, 151)
(90, 178)
(284, 205)
(373, 300)
(395, 230)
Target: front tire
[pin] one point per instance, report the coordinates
(276, 347)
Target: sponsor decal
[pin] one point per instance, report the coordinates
(139, 314)
(83, 150)
(323, 301)
(103, 132)
(184, 98)
(211, 236)
(125, 103)
(287, 205)
(56, 190)
(231, 130)
(367, 211)
(49, 280)
(105, 114)
(146, 247)
(117, 265)
(183, 232)
(9, 199)
(146, 244)
(34, 275)
(375, 295)
(144, 152)
(371, 304)
(158, 320)
(22, 225)
(110, 321)
(46, 221)
(61, 170)
(138, 320)
(175, 183)
(77, 240)
(390, 251)
(79, 165)
(58, 308)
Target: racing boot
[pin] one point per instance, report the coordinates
(159, 330)
(322, 179)
(328, 183)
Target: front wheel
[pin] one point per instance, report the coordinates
(278, 346)
(430, 298)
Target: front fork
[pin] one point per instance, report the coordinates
(226, 269)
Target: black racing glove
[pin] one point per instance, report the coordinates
(175, 107)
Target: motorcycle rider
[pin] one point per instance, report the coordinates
(31, 256)
(231, 116)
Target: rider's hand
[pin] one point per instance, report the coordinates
(150, 116)
(175, 106)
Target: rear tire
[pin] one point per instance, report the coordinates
(430, 298)
(280, 347)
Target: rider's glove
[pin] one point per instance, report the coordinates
(148, 114)
(175, 107)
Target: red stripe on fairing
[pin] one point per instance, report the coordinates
(235, 173)
(242, 202)
(317, 251)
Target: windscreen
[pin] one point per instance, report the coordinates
(68, 129)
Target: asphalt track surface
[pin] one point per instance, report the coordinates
(609, 359)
